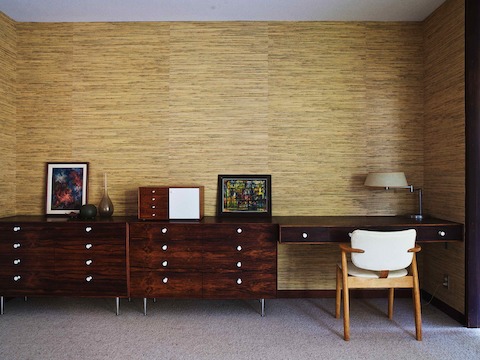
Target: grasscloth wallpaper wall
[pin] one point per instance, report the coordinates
(317, 105)
(445, 146)
(7, 114)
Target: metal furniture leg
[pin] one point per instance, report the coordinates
(117, 303)
(1, 305)
(145, 306)
(262, 306)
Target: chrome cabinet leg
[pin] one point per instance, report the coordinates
(262, 307)
(1, 305)
(117, 303)
(145, 306)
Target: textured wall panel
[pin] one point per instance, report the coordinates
(44, 108)
(180, 103)
(445, 145)
(120, 103)
(218, 103)
(8, 56)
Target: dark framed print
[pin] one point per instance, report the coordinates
(240, 195)
(66, 187)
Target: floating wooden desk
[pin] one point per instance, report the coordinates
(308, 250)
(328, 229)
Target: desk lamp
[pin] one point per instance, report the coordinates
(394, 180)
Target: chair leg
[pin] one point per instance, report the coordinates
(346, 311)
(338, 292)
(346, 300)
(391, 294)
(416, 299)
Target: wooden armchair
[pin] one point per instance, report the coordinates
(378, 260)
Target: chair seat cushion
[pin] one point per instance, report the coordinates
(358, 272)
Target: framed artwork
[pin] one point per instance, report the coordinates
(240, 195)
(66, 187)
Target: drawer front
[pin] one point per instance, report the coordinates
(166, 254)
(74, 248)
(39, 261)
(153, 203)
(165, 284)
(254, 233)
(240, 285)
(158, 232)
(91, 282)
(106, 232)
(305, 234)
(22, 281)
(16, 231)
(440, 233)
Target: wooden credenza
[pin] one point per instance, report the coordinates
(212, 258)
(206, 259)
(60, 257)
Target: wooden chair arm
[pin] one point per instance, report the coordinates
(347, 248)
(416, 249)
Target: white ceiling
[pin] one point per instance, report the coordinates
(217, 10)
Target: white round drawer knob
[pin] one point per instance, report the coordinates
(88, 246)
(89, 262)
(153, 206)
(165, 280)
(239, 264)
(88, 229)
(165, 263)
(89, 278)
(239, 281)
(16, 261)
(16, 245)
(154, 214)
(164, 230)
(16, 228)
(164, 247)
(153, 191)
(239, 248)
(17, 278)
(441, 233)
(239, 230)
(304, 235)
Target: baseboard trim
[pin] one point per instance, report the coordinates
(447, 309)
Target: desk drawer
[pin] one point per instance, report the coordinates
(305, 234)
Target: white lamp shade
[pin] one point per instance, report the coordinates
(386, 180)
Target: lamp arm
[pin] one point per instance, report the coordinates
(420, 200)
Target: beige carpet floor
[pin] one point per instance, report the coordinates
(76, 328)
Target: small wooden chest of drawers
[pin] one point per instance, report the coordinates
(166, 203)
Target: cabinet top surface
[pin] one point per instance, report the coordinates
(322, 221)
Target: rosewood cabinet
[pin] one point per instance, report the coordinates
(203, 260)
(45, 256)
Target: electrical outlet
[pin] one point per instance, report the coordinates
(446, 281)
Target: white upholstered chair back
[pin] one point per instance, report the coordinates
(383, 250)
